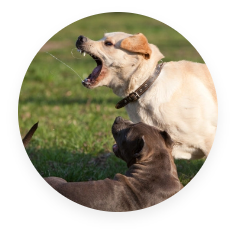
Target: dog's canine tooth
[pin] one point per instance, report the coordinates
(84, 53)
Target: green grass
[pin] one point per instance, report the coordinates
(74, 137)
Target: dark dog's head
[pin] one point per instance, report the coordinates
(137, 142)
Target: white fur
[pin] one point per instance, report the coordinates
(182, 101)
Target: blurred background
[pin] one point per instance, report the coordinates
(74, 139)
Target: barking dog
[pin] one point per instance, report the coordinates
(181, 101)
(150, 179)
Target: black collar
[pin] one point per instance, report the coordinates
(134, 96)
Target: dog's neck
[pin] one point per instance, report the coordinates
(137, 93)
(139, 77)
(159, 159)
(144, 70)
(131, 162)
(139, 74)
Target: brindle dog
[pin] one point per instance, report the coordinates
(151, 177)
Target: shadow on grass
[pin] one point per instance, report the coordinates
(66, 100)
(74, 166)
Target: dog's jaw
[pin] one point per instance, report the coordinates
(115, 149)
(118, 127)
(94, 79)
(99, 72)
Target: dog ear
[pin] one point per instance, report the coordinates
(137, 43)
(29, 135)
(167, 139)
(139, 147)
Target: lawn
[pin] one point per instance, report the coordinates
(74, 137)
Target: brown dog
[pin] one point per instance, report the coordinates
(150, 179)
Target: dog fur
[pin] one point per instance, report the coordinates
(29, 134)
(151, 177)
(182, 101)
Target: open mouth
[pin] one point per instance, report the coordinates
(115, 149)
(98, 72)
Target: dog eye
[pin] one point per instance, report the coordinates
(108, 43)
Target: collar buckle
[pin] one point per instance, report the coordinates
(133, 96)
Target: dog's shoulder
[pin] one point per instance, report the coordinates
(187, 66)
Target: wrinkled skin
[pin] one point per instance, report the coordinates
(150, 179)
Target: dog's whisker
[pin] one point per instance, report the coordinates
(65, 65)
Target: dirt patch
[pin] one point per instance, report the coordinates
(52, 45)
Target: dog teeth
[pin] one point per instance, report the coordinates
(84, 54)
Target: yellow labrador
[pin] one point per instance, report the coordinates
(181, 101)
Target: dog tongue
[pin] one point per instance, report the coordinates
(115, 147)
(95, 72)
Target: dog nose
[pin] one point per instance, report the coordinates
(82, 39)
(119, 119)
